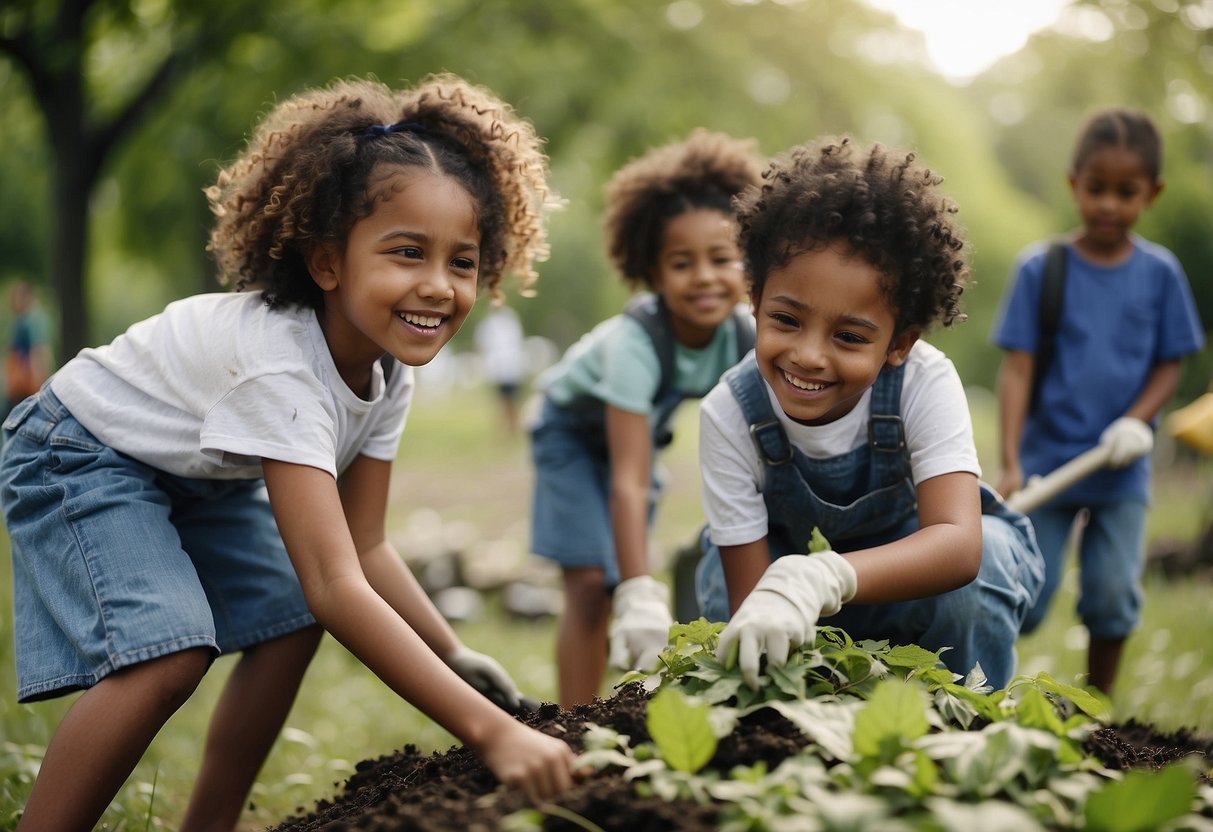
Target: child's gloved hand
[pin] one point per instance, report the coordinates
(640, 623)
(486, 675)
(782, 611)
(1127, 439)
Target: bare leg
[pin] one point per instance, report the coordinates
(581, 636)
(104, 734)
(251, 711)
(1103, 661)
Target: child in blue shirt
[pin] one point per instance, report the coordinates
(846, 421)
(1127, 318)
(608, 403)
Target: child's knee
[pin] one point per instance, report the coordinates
(168, 680)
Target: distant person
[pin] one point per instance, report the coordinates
(846, 422)
(1126, 319)
(608, 402)
(174, 494)
(27, 363)
(499, 341)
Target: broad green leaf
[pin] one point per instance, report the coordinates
(892, 717)
(987, 816)
(1034, 710)
(911, 656)
(1085, 701)
(681, 729)
(1142, 801)
(829, 724)
(789, 679)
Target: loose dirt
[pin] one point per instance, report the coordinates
(412, 792)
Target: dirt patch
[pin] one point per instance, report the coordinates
(412, 792)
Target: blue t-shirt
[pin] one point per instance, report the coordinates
(1116, 324)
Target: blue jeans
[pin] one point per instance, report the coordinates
(1110, 559)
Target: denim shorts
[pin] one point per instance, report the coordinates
(570, 509)
(116, 563)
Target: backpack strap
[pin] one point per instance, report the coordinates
(650, 311)
(1052, 290)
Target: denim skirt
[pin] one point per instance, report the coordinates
(570, 508)
(115, 562)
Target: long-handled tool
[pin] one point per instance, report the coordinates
(1040, 490)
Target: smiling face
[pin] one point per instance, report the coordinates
(406, 279)
(1111, 188)
(698, 274)
(824, 331)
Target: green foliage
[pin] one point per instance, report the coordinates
(584, 71)
(681, 729)
(893, 742)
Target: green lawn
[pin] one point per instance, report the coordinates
(455, 462)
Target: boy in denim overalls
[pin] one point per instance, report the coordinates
(844, 420)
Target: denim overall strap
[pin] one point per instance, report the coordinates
(770, 441)
(856, 498)
(886, 431)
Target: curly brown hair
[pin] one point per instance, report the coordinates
(881, 203)
(704, 171)
(309, 170)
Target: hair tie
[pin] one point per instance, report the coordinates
(406, 126)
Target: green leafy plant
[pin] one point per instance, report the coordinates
(895, 741)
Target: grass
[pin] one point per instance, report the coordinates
(454, 461)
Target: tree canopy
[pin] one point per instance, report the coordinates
(119, 112)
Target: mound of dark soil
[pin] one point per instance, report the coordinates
(454, 791)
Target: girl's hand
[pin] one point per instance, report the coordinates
(530, 760)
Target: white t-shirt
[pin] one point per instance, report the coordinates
(499, 341)
(934, 411)
(215, 382)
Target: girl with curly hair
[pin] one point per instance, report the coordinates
(215, 479)
(847, 423)
(607, 404)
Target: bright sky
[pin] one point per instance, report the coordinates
(964, 37)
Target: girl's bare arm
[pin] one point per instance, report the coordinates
(313, 526)
(630, 446)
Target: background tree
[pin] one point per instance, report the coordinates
(604, 80)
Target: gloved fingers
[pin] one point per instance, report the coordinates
(726, 647)
(778, 646)
(649, 657)
(748, 655)
(619, 655)
(488, 676)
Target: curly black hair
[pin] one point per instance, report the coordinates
(704, 171)
(314, 165)
(883, 204)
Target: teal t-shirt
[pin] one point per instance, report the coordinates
(616, 363)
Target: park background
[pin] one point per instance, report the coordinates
(117, 114)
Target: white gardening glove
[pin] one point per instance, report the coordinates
(640, 623)
(486, 675)
(782, 611)
(1127, 439)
